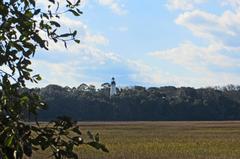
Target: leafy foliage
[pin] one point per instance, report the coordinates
(24, 27)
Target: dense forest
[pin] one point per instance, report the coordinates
(86, 103)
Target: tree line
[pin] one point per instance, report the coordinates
(137, 103)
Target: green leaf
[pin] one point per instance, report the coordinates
(65, 35)
(69, 2)
(39, 40)
(76, 130)
(53, 1)
(24, 100)
(55, 23)
(36, 12)
(45, 15)
(28, 14)
(32, 2)
(74, 12)
(78, 2)
(90, 135)
(37, 77)
(74, 33)
(77, 41)
(9, 141)
(28, 53)
(77, 140)
(80, 12)
(98, 146)
(97, 137)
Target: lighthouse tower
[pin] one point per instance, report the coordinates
(113, 88)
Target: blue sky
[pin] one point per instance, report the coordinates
(192, 43)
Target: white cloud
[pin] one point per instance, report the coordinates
(197, 58)
(85, 53)
(234, 3)
(183, 4)
(114, 6)
(223, 28)
(96, 39)
(58, 73)
(150, 75)
(92, 54)
(146, 74)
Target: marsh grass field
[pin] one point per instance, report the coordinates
(163, 140)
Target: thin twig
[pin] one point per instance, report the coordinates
(9, 75)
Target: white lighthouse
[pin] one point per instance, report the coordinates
(113, 90)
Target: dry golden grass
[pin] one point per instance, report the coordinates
(164, 140)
